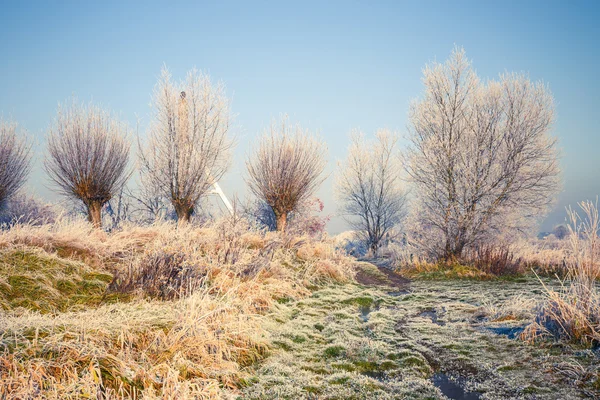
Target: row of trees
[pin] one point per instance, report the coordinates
(481, 161)
(188, 149)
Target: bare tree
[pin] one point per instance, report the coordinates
(286, 168)
(481, 156)
(188, 147)
(369, 189)
(88, 156)
(15, 160)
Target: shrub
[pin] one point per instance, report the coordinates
(26, 209)
(161, 274)
(306, 219)
(495, 260)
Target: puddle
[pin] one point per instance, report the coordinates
(364, 313)
(452, 389)
(509, 331)
(433, 316)
(398, 293)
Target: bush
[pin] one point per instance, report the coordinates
(306, 219)
(26, 209)
(161, 274)
(497, 261)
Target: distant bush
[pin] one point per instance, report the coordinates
(306, 219)
(26, 209)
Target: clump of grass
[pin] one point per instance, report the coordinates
(33, 279)
(573, 312)
(517, 308)
(441, 270)
(495, 260)
(187, 349)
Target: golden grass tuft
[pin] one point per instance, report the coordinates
(572, 313)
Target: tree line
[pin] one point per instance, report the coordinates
(480, 164)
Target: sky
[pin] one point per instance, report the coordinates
(331, 66)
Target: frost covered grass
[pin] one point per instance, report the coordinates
(358, 342)
(146, 312)
(226, 311)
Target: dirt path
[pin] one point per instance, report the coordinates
(377, 273)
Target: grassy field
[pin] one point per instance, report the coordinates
(223, 311)
(426, 339)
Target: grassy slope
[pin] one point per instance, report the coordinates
(35, 280)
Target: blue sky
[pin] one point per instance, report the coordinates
(331, 66)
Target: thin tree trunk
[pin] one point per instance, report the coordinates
(94, 209)
(374, 247)
(281, 220)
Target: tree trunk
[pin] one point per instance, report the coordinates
(453, 254)
(94, 209)
(374, 247)
(184, 213)
(281, 220)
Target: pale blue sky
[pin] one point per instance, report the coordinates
(330, 65)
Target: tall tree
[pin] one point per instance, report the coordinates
(286, 168)
(88, 156)
(369, 189)
(481, 157)
(189, 141)
(15, 160)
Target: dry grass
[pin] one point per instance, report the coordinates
(546, 257)
(572, 313)
(428, 270)
(193, 316)
(517, 308)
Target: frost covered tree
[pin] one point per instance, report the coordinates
(15, 160)
(88, 156)
(189, 144)
(481, 156)
(369, 189)
(286, 168)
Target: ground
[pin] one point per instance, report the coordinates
(387, 338)
(381, 337)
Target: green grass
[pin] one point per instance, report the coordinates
(36, 280)
(395, 352)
